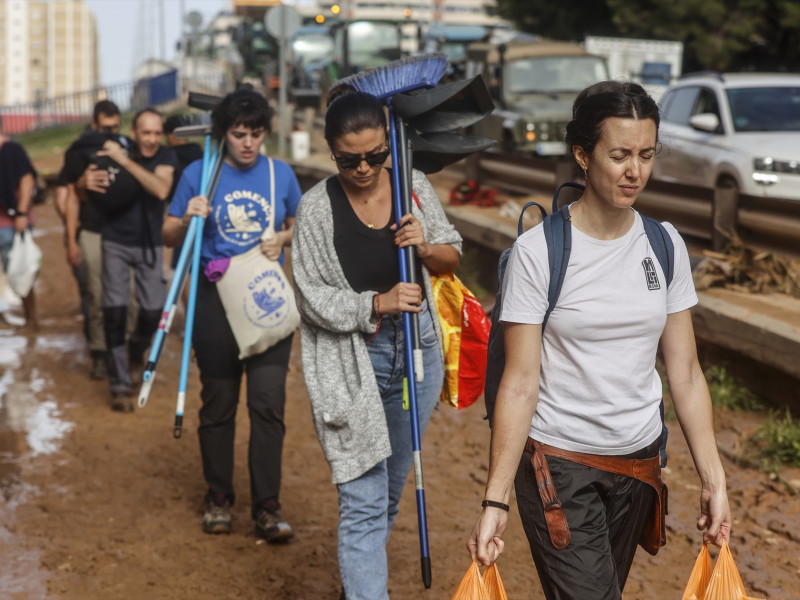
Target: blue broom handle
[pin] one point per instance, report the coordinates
(404, 155)
(176, 287)
(167, 315)
(410, 381)
(197, 244)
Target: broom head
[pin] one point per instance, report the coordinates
(410, 73)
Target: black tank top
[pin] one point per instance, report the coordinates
(368, 256)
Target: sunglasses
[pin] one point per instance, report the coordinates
(374, 159)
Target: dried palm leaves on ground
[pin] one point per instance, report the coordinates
(740, 268)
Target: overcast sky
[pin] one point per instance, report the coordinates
(130, 32)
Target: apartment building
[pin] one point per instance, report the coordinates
(48, 48)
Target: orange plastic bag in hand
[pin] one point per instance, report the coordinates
(494, 586)
(471, 586)
(701, 574)
(726, 583)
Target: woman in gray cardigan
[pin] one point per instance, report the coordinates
(351, 301)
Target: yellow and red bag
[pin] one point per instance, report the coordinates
(465, 336)
(724, 582)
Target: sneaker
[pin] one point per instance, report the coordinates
(217, 518)
(271, 526)
(122, 402)
(99, 367)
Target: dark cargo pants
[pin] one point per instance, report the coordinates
(151, 293)
(605, 513)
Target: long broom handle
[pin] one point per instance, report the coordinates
(209, 183)
(404, 151)
(167, 315)
(409, 382)
(175, 290)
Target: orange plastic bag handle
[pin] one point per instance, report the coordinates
(494, 586)
(700, 576)
(726, 582)
(471, 586)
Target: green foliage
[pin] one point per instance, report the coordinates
(721, 35)
(728, 393)
(779, 438)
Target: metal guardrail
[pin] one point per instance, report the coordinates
(763, 224)
(165, 91)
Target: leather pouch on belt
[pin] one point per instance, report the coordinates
(554, 515)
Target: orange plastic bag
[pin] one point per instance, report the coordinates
(475, 587)
(701, 574)
(494, 586)
(724, 582)
(471, 586)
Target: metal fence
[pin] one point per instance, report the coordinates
(166, 91)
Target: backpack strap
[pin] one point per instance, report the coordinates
(662, 245)
(558, 235)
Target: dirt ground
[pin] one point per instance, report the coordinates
(97, 504)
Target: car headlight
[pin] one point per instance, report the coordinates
(771, 165)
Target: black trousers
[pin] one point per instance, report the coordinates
(605, 513)
(221, 376)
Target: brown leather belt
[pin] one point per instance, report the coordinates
(647, 470)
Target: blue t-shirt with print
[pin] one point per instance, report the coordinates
(240, 209)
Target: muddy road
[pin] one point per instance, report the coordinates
(97, 504)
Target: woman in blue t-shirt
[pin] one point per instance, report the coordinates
(235, 218)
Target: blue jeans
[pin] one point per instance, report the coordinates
(368, 505)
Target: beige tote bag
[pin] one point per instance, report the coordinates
(257, 297)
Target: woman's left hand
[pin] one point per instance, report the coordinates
(273, 245)
(412, 234)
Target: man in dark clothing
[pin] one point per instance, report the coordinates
(132, 241)
(17, 182)
(81, 209)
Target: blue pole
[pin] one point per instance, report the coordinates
(399, 163)
(205, 184)
(171, 303)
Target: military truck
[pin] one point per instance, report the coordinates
(533, 84)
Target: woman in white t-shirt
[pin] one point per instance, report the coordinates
(592, 401)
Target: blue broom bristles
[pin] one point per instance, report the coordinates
(406, 74)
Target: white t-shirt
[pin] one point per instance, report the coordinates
(599, 390)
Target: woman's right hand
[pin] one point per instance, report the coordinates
(402, 297)
(198, 206)
(485, 543)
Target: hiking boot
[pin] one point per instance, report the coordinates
(217, 518)
(271, 526)
(122, 402)
(99, 366)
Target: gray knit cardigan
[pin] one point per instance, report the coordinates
(346, 405)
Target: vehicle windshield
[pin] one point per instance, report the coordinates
(309, 48)
(765, 108)
(553, 74)
(373, 44)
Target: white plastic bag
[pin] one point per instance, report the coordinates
(24, 261)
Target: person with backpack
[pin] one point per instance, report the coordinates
(349, 293)
(578, 424)
(255, 194)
